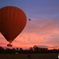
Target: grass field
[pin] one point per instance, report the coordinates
(25, 56)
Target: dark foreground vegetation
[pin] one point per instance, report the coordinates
(25, 56)
(31, 50)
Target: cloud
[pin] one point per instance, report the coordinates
(54, 40)
(43, 25)
(45, 9)
(43, 32)
(45, 46)
(43, 29)
(1, 38)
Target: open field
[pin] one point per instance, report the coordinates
(25, 56)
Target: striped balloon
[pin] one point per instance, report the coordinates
(13, 21)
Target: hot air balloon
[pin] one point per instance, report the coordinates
(29, 19)
(13, 22)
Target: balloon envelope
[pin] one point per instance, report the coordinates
(13, 22)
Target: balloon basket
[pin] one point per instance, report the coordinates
(9, 45)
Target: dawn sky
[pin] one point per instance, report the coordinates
(42, 30)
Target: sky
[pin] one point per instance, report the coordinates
(42, 30)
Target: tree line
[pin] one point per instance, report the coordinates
(32, 50)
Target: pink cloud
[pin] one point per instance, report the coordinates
(37, 32)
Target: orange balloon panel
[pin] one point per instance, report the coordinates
(13, 22)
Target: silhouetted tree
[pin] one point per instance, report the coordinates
(2, 50)
(21, 50)
(13, 51)
(17, 49)
(31, 50)
(9, 51)
(36, 49)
